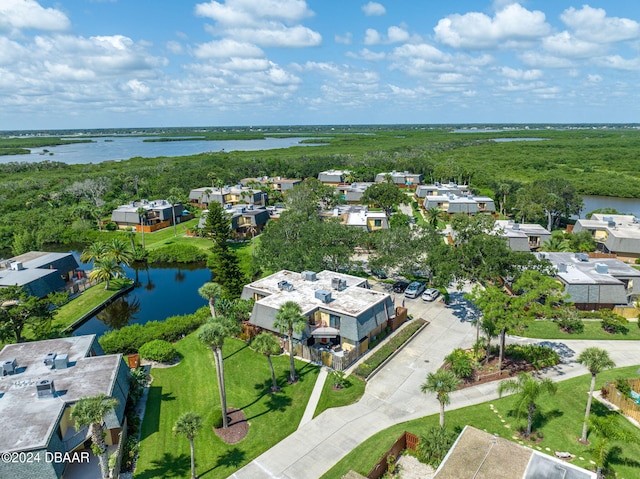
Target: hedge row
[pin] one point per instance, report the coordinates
(177, 253)
(129, 340)
(539, 357)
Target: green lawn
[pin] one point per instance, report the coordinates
(191, 386)
(592, 330)
(560, 423)
(343, 397)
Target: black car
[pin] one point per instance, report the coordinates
(400, 286)
(379, 273)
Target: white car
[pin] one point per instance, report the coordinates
(430, 294)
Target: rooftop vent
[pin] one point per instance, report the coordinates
(285, 286)
(9, 366)
(516, 226)
(635, 220)
(607, 218)
(61, 361)
(308, 275)
(249, 207)
(602, 268)
(45, 388)
(582, 257)
(611, 224)
(562, 267)
(323, 295)
(17, 266)
(49, 360)
(338, 284)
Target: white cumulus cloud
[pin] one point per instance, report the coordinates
(593, 25)
(227, 48)
(16, 15)
(373, 9)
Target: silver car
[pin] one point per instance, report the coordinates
(414, 290)
(430, 294)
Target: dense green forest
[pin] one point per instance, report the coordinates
(53, 202)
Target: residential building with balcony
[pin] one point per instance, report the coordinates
(522, 236)
(334, 177)
(452, 204)
(158, 214)
(41, 273)
(352, 193)
(278, 183)
(618, 234)
(233, 195)
(403, 179)
(441, 189)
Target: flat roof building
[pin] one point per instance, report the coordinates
(237, 194)
(440, 189)
(522, 236)
(37, 393)
(352, 193)
(278, 183)
(246, 220)
(39, 272)
(359, 216)
(157, 213)
(619, 234)
(334, 177)
(403, 179)
(452, 204)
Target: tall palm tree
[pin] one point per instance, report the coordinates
(213, 334)
(442, 383)
(142, 214)
(105, 269)
(267, 344)
(433, 216)
(529, 389)
(556, 244)
(95, 251)
(189, 425)
(595, 360)
(211, 292)
(119, 250)
(290, 320)
(172, 199)
(89, 412)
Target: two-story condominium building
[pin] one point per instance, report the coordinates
(352, 193)
(452, 204)
(278, 183)
(246, 220)
(339, 307)
(233, 195)
(40, 273)
(594, 283)
(333, 177)
(40, 382)
(158, 214)
(359, 217)
(522, 236)
(440, 189)
(403, 179)
(619, 234)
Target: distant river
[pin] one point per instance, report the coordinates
(110, 148)
(630, 206)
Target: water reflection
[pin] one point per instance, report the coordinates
(120, 313)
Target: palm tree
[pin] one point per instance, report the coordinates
(595, 360)
(211, 292)
(142, 214)
(188, 425)
(290, 319)
(119, 251)
(172, 199)
(89, 412)
(213, 334)
(131, 235)
(528, 389)
(556, 244)
(433, 216)
(267, 344)
(105, 269)
(95, 251)
(442, 383)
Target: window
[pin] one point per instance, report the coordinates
(334, 321)
(377, 223)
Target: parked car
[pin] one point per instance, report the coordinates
(430, 294)
(414, 289)
(379, 273)
(400, 286)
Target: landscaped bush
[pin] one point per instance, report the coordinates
(571, 325)
(539, 357)
(433, 446)
(623, 386)
(615, 324)
(177, 253)
(460, 362)
(158, 350)
(376, 359)
(216, 418)
(129, 340)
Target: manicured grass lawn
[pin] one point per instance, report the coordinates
(343, 397)
(191, 386)
(560, 423)
(166, 235)
(592, 330)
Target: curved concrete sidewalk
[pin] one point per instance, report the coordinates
(394, 396)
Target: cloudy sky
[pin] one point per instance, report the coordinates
(134, 63)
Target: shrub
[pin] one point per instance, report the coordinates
(158, 350)
(623, 386)
(433, 446)
(571, 325)
(614, 324)
(217, 418)
(177, 253)
(539, 357)
(460, 362)
(338, 379)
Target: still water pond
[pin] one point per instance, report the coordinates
(123, 148)
(159, 292)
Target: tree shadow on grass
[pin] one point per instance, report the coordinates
(542, 418)
(151, 420)
(263, 389)
(275, 403)
(232, 458)
(300, 373)
(167, 466)
(616, 457)
(236, 351)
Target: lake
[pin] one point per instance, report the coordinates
(114, 148)
(623, 205)
(159, 292)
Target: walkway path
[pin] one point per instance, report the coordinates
(394, 396)
(312, 404)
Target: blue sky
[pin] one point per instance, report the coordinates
(136, 63)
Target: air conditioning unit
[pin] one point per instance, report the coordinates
(308, 275)
(49, 360)
(285, 286)
(61, 361)
(516, 226)
(338, 284)
(562, 267)
(9, 366)
(45, 388)
(602, 268)
(582, 257)
(323, 295)
(17, 266)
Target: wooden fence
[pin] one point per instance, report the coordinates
(406, 441)
(628, 407)
(331, 360)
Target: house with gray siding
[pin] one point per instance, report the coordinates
(41, 381)
(619, 234)
(594, 283)
(39, 272)
(334, 177)
(403, 179)
(341, 309)
(441, 189)
(452, 204)
(522, 236)
(156, 213)
(246, 220)
(352, 193)
(278, 183)
(233, 195)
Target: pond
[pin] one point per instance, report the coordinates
(123, 147)
(160, 291)
(630, 206)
